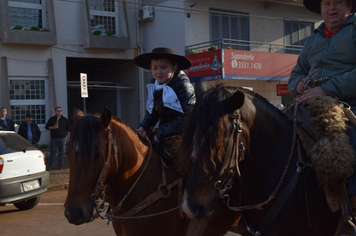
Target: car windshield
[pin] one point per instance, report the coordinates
(12, 142)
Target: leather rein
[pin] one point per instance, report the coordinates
(163, 191)
(233, 168)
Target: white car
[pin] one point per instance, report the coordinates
(23, 175)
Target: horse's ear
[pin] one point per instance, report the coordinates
(77, 114)
(105, 118)
(200, 86)
(234, 102)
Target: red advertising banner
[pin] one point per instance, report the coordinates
(251, 65)
(207, 65)
(282, 89)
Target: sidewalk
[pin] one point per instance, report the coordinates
(59, 179)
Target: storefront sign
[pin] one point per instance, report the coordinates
(251, 65)
(241, 65)
(282, 89)
(207, 65)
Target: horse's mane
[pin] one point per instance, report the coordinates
(120, 121)
(206, 126)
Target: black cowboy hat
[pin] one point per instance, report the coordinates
(144, 60)
(314, 5)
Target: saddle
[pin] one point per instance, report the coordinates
(168, 150)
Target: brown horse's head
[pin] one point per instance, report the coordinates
(206, 141)
(86, 151)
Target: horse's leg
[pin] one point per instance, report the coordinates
(221, 219)
(118, 230)
(197, 227)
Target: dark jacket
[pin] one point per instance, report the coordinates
(334, 57)
(7, 124)
(64, 127)
(36, 133)
(170, 121)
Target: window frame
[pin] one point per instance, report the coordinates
(25, 102)
(115, 14)
(220, 13)
(299, 42)
(37, 6)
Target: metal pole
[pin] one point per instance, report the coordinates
(84, 107)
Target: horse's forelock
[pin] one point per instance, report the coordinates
(85, 137)
(206, 126)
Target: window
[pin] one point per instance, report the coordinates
(28, 13)
(104, 17)
(28, 96)
(295, 33)
(230, 25)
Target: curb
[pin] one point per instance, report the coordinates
(57, 187)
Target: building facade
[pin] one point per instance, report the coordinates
(46, 44)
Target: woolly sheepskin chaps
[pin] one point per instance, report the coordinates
(332, 155)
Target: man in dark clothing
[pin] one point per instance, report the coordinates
(5, 123)
(29, 130)
(59, 127)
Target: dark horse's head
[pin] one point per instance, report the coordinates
(228, 127)
(86, 152)
(206, 140)
(269, 169)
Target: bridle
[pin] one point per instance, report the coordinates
(100, 184)
(163, 190)
(233, 168)
(232, 153)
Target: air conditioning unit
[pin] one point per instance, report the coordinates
(146, 13)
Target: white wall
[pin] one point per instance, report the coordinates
(266, 18)
(167, 29)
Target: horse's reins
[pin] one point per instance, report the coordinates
(104, 171)
(105, 168)
(100, 186)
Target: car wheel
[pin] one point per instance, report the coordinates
(28, 204)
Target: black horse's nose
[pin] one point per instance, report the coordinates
(75, 216)
(199, 211)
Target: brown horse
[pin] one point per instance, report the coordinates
(107, 155)
(234, 136)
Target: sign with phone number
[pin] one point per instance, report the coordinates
(253, 65)
(246, 65)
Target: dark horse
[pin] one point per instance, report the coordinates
(107, 155)
(234, 136)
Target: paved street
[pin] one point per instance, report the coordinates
(47, 219)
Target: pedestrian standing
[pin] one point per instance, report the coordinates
(30, 131)
(6, 123)
(59, 128)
